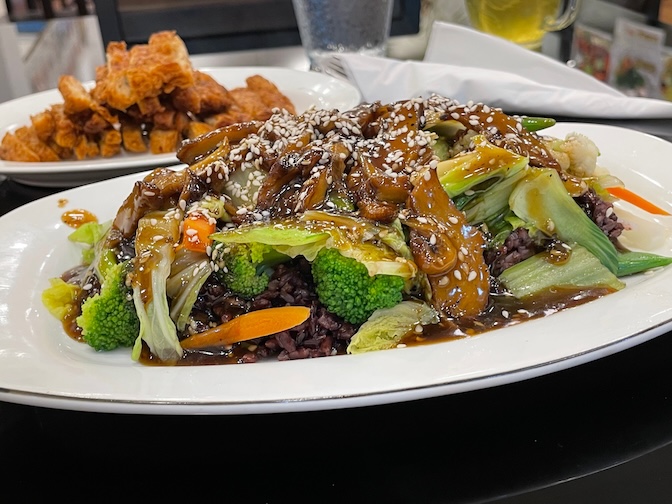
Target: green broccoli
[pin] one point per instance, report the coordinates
(345, 287)
(245, 267)
(108, 319)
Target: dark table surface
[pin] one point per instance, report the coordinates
(595, 433)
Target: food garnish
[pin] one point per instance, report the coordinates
(383, 226)
(255, 324)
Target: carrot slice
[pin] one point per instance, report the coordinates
(196, 232)
(249, 326)
(635, 199)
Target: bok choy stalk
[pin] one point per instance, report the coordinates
(541, 200)
(157, 233)
(538, 274)
(481, 181)
(478, 169)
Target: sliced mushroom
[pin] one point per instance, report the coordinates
(192, 150)
(463, 289)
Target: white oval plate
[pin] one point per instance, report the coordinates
(304, 89)
(40, 365)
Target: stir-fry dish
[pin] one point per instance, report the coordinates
(334, 232)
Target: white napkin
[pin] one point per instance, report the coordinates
(464, 64)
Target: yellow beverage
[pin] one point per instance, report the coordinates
(520, 21)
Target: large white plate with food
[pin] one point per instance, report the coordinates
(40, 365)
(304, 89)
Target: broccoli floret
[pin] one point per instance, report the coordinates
(245, 268)
(108, 319)
(345, 287)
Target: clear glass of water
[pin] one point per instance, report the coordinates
(329, 27)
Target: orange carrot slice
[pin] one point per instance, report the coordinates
(249, 326)
(196, 232)
(635, 199)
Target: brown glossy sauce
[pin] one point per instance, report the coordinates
(77, 217)
(506, 311)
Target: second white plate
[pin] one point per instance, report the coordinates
(304, 89)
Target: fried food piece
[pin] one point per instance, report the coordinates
(250, 102)
(65, 132)
(29, 137)
(198, 128)
(233, 116)
(165, 119)
(147, 107)
(206, 96)
(86, 148)
(144, 71)
(182, 121)
(269, 93)
(76, 99)
(109, 143)
(162, 141)
(63, 152)
(13, 149)
(133, 138)
(43, 124)
(95, 124)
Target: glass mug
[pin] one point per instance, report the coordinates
(524, 22)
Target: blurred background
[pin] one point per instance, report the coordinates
(41, 40)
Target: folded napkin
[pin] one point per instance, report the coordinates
(464, 64)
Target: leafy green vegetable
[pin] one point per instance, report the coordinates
(188, 273)
(541, 199)
(382, 249)
(387, 326)
(61, 298)
(289, 239)
(478, 169)
(90, 234)
(539, 274)
(157, 233)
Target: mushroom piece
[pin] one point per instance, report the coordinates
(447, 249)
(192, 150)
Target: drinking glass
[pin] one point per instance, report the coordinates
(524, 22)
(329, 27)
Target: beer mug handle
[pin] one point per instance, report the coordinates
(565, 19)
